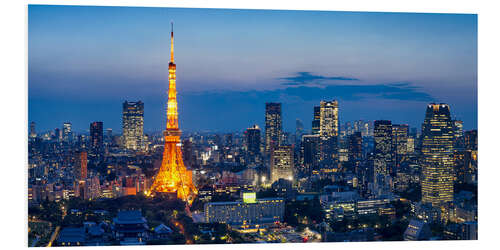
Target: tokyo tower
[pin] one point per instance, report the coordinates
(173, 177)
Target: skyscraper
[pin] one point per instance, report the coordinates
(96, 139)
(316, 120)
(173, 177)
(32, 133)
(133, 125)
(310, 149)
(273, 125)
(80, 166)
(437, 153)
(329, 130)
(399, 142)
(471, 139)
(355, 147)
(382, 134)
(299, 131)
(57, 134)
(458, 127)
(282, 163)
(252, 136)
(67, 135)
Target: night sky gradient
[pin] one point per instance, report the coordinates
(85, 61)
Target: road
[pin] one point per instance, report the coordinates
(54, 235)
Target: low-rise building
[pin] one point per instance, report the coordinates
(249, 211)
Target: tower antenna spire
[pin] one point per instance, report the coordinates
(172, 42)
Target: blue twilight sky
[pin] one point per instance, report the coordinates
(85, 61)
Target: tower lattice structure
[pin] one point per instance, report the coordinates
(173, 177)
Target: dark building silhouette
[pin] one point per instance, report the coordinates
(96, 139)
(310, 151)
(273, 125)
(252, 137)
(316, 120)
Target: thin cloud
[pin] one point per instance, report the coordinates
(306, 78)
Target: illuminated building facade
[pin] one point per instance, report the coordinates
(382, 134)
(273, 125)
(133, 125)
(437, 153)
(250, 211)
(399, 143)
(282, 163)
(173, 177)
(329, 130)
(458, 126)
(67, 131)
(80, 165)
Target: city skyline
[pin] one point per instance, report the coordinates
(372, 180)
(346, 64)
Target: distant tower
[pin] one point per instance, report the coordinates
(382, 134)
(310, 152)
(96, 139)
(80, 166)
(355, 147)
(32, 130)
(173, 177)
(273, 125)
(133, 125)
(299, 131)
(67, 132)
(437, 150)
(400, 134)
(252, 136)
(316, 120)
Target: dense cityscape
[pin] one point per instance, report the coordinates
(342, 181)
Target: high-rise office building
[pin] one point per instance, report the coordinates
(273, 125)
(67, 134)
(329, 131)
(383, 156)
(471, 139)
(437, 154)
(458, 131)
(282, 163)
(299, 131)
(458, 128)
(133, 125)
(329, 119)
(252, 136)
(310, 149)
(80, 166)
(316, 120)
(399, 143)
(96, 139)
(32, 133)
(355, 147)
(109, 135)
(57, 134)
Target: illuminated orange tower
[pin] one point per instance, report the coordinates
(173, 176)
